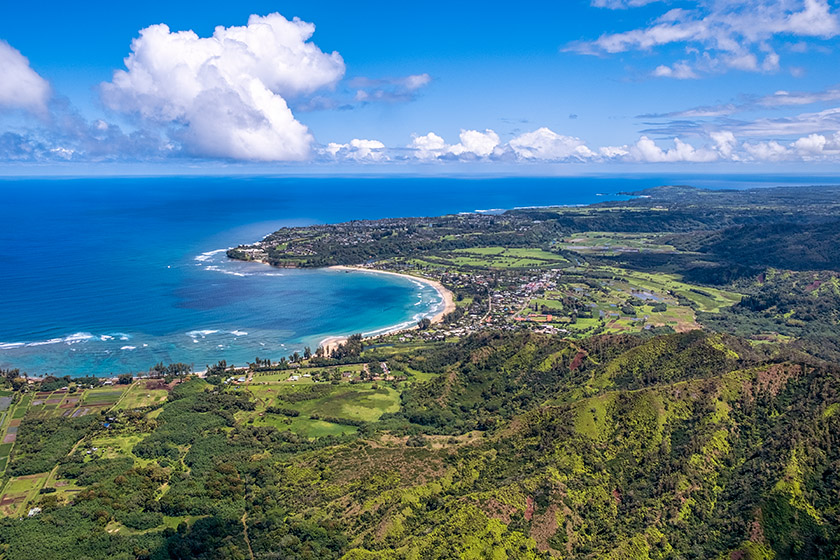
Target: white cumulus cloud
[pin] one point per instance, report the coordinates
(473, 144)
(614, 152)
(358, 150)
(545, 144)
(724, 143)
(428, 146)
(766, 151)
(646, 150)
(482, 144)
(227, 92)
(813, 144)
(814, 147)
(20, 86)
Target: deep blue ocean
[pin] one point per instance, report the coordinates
(101, 276)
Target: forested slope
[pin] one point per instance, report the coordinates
(690, 445)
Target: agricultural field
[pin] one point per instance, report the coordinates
(103, 396)
(613, 244)
(141, 394)
(64, 403)
(620, 300)
(307, 374)
(487, 258)
(501, 257)
(705, 299)
(20, 410)
(19, 491)
(114, 446)
(358, 402)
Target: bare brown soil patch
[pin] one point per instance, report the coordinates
(544, 526)
(497, 510)
(577, 360)
(158, 384)
(11, 499)
(771, 379)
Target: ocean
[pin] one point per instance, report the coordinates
(100, 276)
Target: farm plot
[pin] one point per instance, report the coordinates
(702, 298)
(614, 304)
(357, 403)
(19, 491)
(502, 257)
(106, 396)
(143, 393)
(612, 244)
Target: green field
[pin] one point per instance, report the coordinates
(169, 522)
(304, 374)
(102, 396)
(139, 396)
(706, 299)
(20, 410)
(354, 402)
(615, 287)
(19, 491)
(113, 446)
(501, 257)
(612, 244)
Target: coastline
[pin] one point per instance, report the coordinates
(332, 342)
(329, 343)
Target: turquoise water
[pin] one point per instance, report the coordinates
(102, 276)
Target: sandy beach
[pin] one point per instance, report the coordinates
(331, 343)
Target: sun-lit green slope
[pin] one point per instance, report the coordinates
(733, 460)
(520, 446)
(488, 378)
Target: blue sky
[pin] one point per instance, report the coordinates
(569, 86)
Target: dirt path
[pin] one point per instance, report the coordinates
(245, 534)
(122, 397)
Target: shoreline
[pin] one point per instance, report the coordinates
(330, 343)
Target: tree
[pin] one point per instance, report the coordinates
(9, 374)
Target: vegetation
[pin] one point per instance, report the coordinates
(655, 378)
